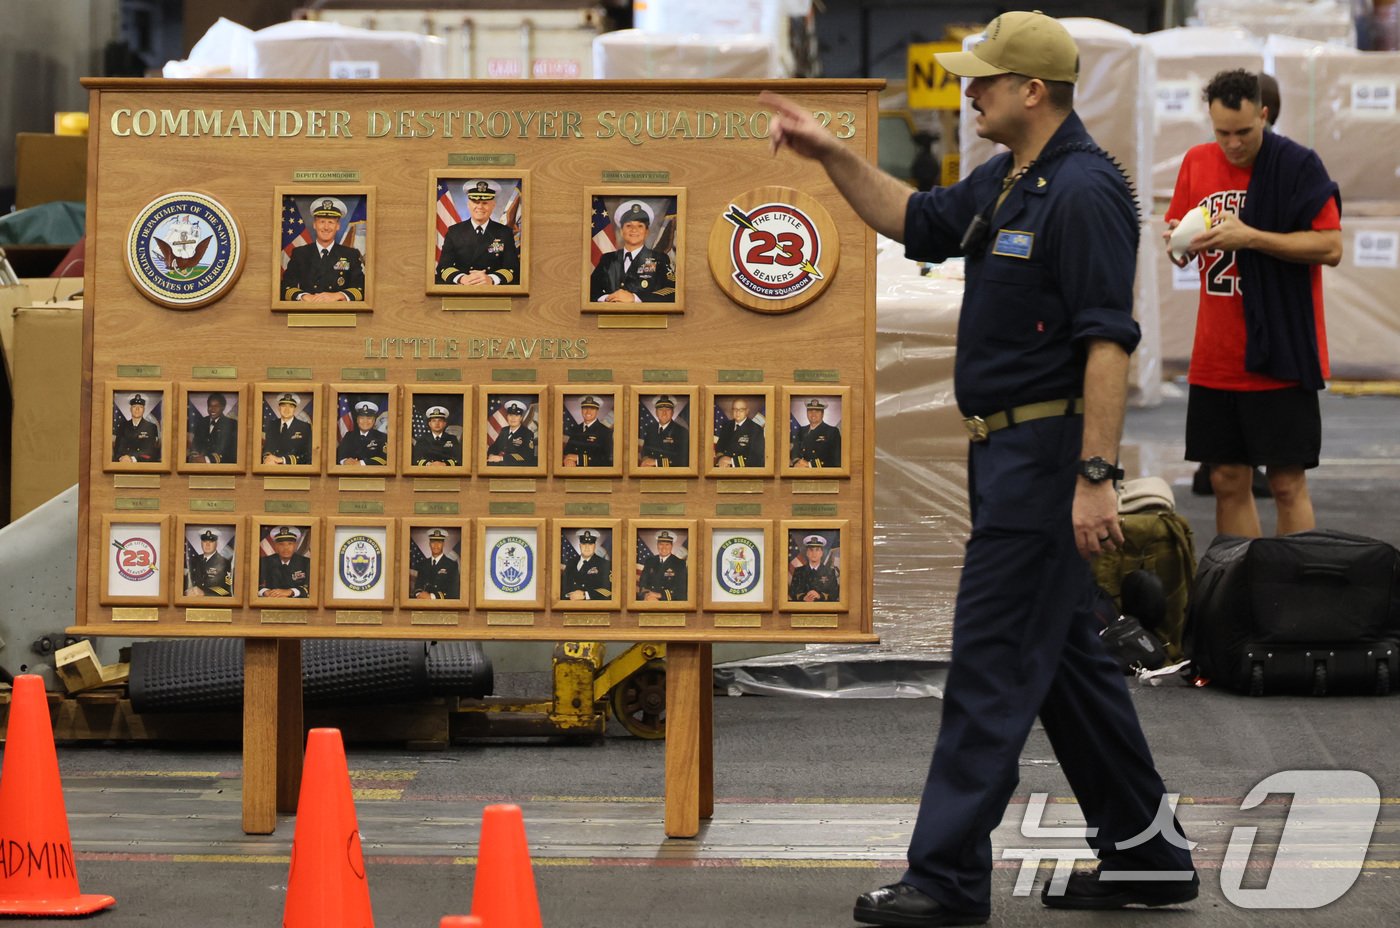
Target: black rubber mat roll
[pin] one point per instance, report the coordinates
(186, 675)
(459, 668)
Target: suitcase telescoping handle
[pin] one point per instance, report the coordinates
(1337, 573)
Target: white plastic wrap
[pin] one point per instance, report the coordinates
(223, 52)
(1328, 21)
(632, 54)
(329, 50)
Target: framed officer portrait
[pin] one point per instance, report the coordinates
(589, 431)
(138, 435)
(814, 442)
(288, 441)
(478, 233)
(135, 569)
(513, 440)
(212, 436)
(325, 240)
(634, 250)
(810, 566)
(210, 562)
(288, 559)
(361, 431)
(740, 439)
(436, 559)
(437, 438)
(361, 553)
(736, 555)
(586, 569)
(510, 553)
(663, 433)
(661, 574)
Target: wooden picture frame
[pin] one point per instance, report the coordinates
(415, 543)
(344, 402)
(685, 542)
(817, 460)
(791, 546)
(659, 280)
(360, 563)
(425, 459)
(494, 586)
(294, 219)
(310, 404)
(308, 546)
(725, 444)
(230, 543)
(736, 549)
(136, 564)
(198, 439)
(576, 453)
(137, 438)
(643, 425)
(449, 208)
(570, 579)
(492, 404)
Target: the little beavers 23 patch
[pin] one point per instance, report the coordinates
(774, 249)
(184, 250)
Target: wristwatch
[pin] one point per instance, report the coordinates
(1097, 470)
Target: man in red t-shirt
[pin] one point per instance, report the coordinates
(1238, 415)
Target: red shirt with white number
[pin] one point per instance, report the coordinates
(1217, 356)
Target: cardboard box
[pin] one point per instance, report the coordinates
(48, 376)
(49, 167)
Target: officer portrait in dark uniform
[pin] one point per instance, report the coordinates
(480, 251)
(207, 571)
(439, 576)
(135, 436)
(213, 437)
(815, 580)
(588, 440)
(365, 445)
(586, 572)
(639, 269)
(663, 441)
(324, 270)
(663, 576)
(818, 443)
(286, 572)
(441, 444)
(515, 445)
(739, 439)
(287, 440)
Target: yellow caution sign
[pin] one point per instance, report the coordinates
(931, 87)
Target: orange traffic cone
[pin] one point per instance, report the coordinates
(503, 894)
(327, 886)
(37, 875)
(461, 921)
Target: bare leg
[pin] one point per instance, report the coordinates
(1234, 500)
(1295, 509)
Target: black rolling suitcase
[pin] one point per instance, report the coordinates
(1315, 611)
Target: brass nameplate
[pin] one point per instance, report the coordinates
(740, 486)
(574, 485)
(373, 507)
(512, 485)
(436, 509)
(282, 617)
(584, 620)
(661, 620)
(359, 617)
(587, 509)
(138, 370)
(325, 177)
(136, 481)
(510, 618)
(362, 484)
(816, 376)
(286, 483)
(590, 375)
(478, 304)
(738, 509)
(141, 503)
(500, 508)
(211, 482)
(287, 505)
(211, 505)
(815, 620)
(433, 618)
(212, 616)
(663, 509)
(814, 510)
(439, 375)
(289, 373)
(749, 376)
(633, 321)
(636, 177)
(471, 157)
(674, 375)
(363, 373)
(436, 485)
(513, 375)
(664, 486)
(214, 373)
(136, 614)
(815, 486)
(739, 620)
(321, 320)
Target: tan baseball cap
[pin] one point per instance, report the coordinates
(1032, 44)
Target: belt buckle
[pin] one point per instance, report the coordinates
(976, 428)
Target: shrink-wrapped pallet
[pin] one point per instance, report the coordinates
(1319, 20)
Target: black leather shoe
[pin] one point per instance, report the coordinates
(1085, 890)
(900, 905)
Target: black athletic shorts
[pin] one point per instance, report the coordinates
(1257, 427)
